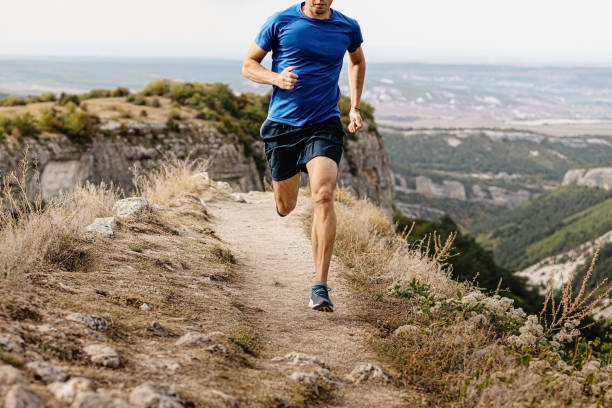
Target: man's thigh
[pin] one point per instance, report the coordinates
(323, 172)
(287, 190)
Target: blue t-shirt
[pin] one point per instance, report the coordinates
(316, 49)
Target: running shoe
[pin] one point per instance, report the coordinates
(319, 298)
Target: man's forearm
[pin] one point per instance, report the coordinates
(256, 72)
(356, 79)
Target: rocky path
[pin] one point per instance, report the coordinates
(276, 268)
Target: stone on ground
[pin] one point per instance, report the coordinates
(152, 395)
(47, 372)
(191, 338)
(103, 355)
(367, 372)
(20, 396)
(129, 206)
(91, 321)
(102, 226)
(68, 391)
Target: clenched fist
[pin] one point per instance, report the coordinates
(356, 122)
(286, 79)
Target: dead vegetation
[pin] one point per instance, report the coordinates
(458, 346)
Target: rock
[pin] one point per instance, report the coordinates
(68, 391)
(407, 330)
(151, 395)
(11, 345)
(224, 186)
(239, 198)
(161, 363)
(9, 376)
(216, 348)
(191, 338)
(129, 206)
(159, 330)
(20, 396)
(309, 380)
(103, 355)
(92, 399)
(366, 372)
(301, 358)
(145, 307)
(102, 226)
(91, 321)
(597, 177)
(47, 372)
(217, 334)
(218, 395)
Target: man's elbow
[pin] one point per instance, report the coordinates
(245, 69)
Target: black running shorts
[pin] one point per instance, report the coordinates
(288, 148)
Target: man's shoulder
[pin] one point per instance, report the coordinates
(286, 15)
(345, 19)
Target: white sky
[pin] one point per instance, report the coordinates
(473, 31)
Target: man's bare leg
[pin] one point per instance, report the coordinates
(286, 193)
(323, 172)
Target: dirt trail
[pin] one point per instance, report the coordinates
(276, 267)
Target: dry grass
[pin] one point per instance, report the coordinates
(459, 346)
(174, 178)
(33, 233)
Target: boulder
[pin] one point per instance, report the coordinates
(102, 226)
(152, 395)
(103, 355)
(91, 321)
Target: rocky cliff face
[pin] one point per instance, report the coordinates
(599, 177)
(117, 148)
(455, 190)
(364, 169)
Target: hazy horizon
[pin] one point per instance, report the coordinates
(518, 32)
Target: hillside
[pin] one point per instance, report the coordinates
(548, 225)
(471, 262)
(482, 171)
(181, 304)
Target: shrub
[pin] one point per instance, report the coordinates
(80, 125)
(51, 121)
(155, 103)
(158, 87)
(174, 114)
(20, 126)
(96, 93)
(143, 113)
(65, 98)
(137, 99)
(119, 91)
(12, 100)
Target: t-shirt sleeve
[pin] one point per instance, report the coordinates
(266, 37)
(356, 39)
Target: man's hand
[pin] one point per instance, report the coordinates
(286, 79)
(356, 123)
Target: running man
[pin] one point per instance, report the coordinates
(303, 132)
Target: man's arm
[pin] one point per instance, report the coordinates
(253, 70)
(356, 71)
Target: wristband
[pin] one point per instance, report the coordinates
(356, 109)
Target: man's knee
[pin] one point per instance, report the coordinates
(285, 205)
(323, 196)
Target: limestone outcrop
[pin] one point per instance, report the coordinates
(600, 177)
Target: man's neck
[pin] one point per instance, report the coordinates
(308, 13)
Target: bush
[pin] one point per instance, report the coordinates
(51, 121)
(12, 100)
(119, 91)
(137, 99)
(143, 113)
(96, 93)
(158, 87)
(65, 98)
(174, 114)
(80, 125)
(155, 103)
(20, 126)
